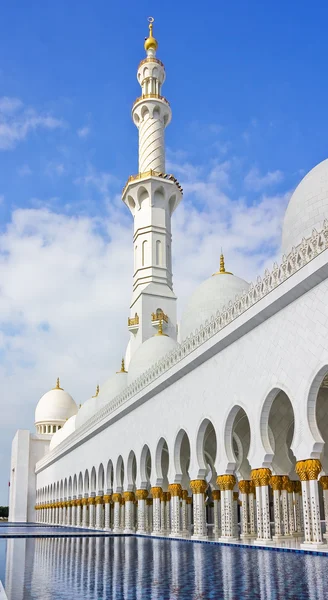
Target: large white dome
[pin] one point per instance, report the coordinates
(307, 208)
(208, 298)
(55, 407)
(63, 433)
(148, 354)
(87, 410)
(112, 387)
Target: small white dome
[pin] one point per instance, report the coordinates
(148, 354)
(55, 407)
(112, 387)
(208, 298)
(63, 433)
(87, 410)
(307, 208)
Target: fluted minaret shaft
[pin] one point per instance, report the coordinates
(151, 111)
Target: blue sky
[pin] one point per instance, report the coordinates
(247, 86)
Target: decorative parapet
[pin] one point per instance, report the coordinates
(132, 321)
(291, 264)
(152, 173)
(159, 315)
(151, 96)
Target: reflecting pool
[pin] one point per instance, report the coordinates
(122, 568)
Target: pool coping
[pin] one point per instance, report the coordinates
(61, 532)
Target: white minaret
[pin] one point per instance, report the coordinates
(152, 196)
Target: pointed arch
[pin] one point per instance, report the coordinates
(101, 479)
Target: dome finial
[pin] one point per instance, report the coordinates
(150, 42)
(57, 385)
(122, 369)
(97, 392)
(160, 328)
(222, 270)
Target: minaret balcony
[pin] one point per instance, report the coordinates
(151, 173)
(159, 317)
(151, 97)
(133, 323)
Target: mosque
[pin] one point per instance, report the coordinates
(216, 426)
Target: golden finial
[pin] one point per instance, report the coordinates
(150, 42)
(57, 385)
(122, 370)
(97, 392)
(160, 328)
(222, 267)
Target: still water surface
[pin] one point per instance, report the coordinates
(124, 568)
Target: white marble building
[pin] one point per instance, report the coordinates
(222, 420)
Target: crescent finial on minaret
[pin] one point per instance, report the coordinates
(150, 42)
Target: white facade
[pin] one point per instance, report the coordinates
(234, 411)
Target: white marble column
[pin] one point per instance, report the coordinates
(251, 508)
(107, 501)
(291, 512)
(141, 496)
(73, 522)
(149, 515)
(298, 508)
(226, 484)
(175, 490)
(184, 514)
(163, 513)
(99, 511)
(308, 471)
(156, 493)
(216, 513)
(61, 511)
(117, 512)
(324, 484)
(129, 499)
(79, 511)
(244, 490)
(168, 513)
(69, 513)
(276, 484)
(198, 488)
(85, 512)
(261, 478)
(92, 512)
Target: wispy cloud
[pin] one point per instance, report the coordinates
(255, 181)
(17, 121)
(54, 169)
(84, 132)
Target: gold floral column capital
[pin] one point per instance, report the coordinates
(84, 501)
(236, 496)
(149, 501)
(300, 469)
(313, 468)
(324, 482)
(261, 477)
(285, 482)
(226, 482)
(99, 499)
(116, 497)
(107, 498)
(175, 489)
(156, 492)
(276, 482)
(129, 496)
(198, 486)
(216, 494)
(184, 494)
(189, 500)
(92, 500)
(243, 486)
(142, 494)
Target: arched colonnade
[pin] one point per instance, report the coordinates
(283, 497)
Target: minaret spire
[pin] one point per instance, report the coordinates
(152, 195)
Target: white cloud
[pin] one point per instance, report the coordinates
(2, 198)
(54, 168)
(255, 181)
(16, 122)
(84, 132)
(66, 281)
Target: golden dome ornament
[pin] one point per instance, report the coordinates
(150, 42)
